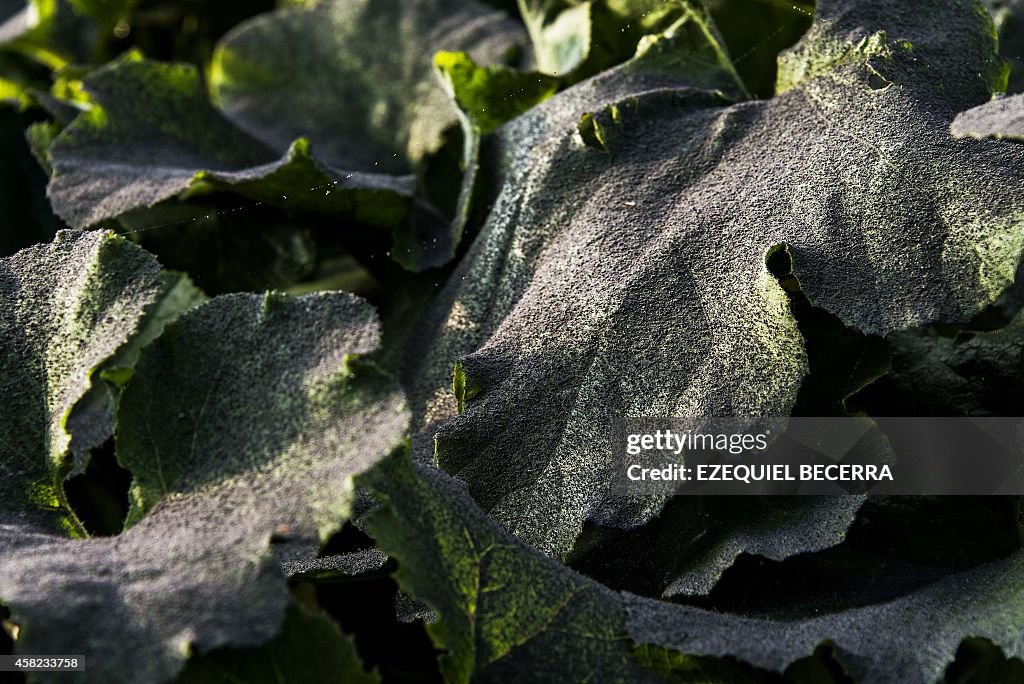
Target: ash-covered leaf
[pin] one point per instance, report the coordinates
(693, 540)
(1000, 118)
(299, 563)
(365, 110)
(931, 623)
(632, 282)
(342, 140)
(151, 135)
(275, 395)
(504, 609)
(245, 420)
(324, 73)
(490, 96)
(68, 307)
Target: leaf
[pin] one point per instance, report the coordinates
(489, 96)
(303, 563)
(584, 38)
(132, 151)
(685, 550)
(67, 308)
(245, 421)
(504, 609)
(310, 648)
(366, 112)
(632, 282)
(364, 109)
(269, 404)
(984, 601)
(1000, 118)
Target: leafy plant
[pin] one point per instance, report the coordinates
(316, 320)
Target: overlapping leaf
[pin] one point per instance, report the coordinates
(685, 550)
(622, 271)
(494, 626)
(130, 152)
(324, 74)
(245, 419)
(687, 54)
(68, 307)
(1001, 118)
(490, 96)
(339, 155)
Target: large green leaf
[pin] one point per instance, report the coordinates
(622, 271)
(504, 609)
(244, 422)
